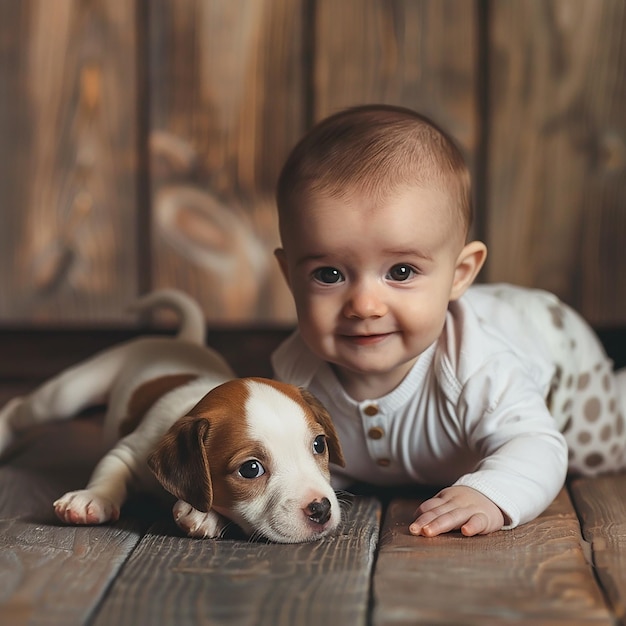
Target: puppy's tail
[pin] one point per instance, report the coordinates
(192, 323)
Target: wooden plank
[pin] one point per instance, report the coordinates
(68, 160)
(557, 150)
(174, 580)
(601, 505)
(410, 53)
(27, 356)
(51, 573)
(535, 573)
(58, 575)
(226, 107)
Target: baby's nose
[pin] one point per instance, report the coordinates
(365, 302)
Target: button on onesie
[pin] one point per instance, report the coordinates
(375, 428)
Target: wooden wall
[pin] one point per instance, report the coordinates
(140, 140)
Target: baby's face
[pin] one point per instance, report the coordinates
(372, 282)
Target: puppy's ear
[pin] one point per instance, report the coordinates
(322, 417)
(180, 462)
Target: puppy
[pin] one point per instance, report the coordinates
(252, 451)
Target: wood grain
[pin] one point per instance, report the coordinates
(227, 105)
(416, 54)
(536, 573)
(601, 505)
(55, 574)
(68, 160)
(30, 356)
(58, 575)
(51, 573)
(173, 580)
(221, 89)
(557, 151)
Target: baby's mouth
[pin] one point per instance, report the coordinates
(367, 340)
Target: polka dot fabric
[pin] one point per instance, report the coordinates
(587, 398)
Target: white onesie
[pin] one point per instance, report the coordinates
(516, 382)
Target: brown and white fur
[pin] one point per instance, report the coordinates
(251, 450)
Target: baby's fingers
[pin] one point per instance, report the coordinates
(433, 523)
(456, 508)
(477, 524)
(482, 523)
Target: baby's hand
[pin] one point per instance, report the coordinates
(457, 508)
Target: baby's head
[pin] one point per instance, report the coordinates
(374, 150)
(374, 210)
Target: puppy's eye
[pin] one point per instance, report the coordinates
(319, 445)
(251, 469)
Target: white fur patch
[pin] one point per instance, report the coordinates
(275, 418)
(282, 426)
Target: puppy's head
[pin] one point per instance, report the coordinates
(256, 451)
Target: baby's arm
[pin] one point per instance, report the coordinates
(504, 420)
(455, 508)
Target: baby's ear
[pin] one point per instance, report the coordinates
(281, 257)
(468, 264)
(180, 462)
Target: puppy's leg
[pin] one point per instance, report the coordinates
(7, 432)
(108, 486)
(198, 524)
(63, 396)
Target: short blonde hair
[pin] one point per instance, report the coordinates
(375, 149)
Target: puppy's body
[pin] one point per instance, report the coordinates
(227, 424)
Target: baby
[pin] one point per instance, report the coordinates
(481, 390)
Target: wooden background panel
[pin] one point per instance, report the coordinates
(227, 104)
(557, 152)
(68, 159)
(603, 263)
(228, 88)
(413, 53)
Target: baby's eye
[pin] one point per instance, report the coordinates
(328, 275)
(401, 273)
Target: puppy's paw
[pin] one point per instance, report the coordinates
(7, 433)
(198, 524)
(85, 507)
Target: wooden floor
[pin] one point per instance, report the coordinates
(567, 567)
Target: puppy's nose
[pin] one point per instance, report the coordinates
(318, 511)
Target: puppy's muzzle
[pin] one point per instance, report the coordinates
(319, 511)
